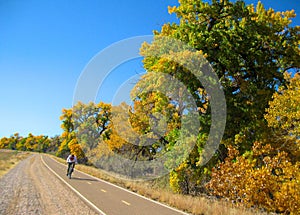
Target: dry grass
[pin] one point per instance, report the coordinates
(201, 205)
(195, 205)
(10, 158)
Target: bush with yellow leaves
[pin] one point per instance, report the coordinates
(268, 176)
(259, 178)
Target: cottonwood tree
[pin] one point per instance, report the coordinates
(248, 47)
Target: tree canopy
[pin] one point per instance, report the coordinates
(222, 58)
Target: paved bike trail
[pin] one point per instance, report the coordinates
(106, 198)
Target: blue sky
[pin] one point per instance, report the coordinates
(45, 45)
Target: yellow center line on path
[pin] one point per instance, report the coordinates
(104, 191)
(72, 188)
(126, 203)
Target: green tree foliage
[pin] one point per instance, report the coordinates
(83, 126)
(90, 121)
(248, 47)
(152, 117)
(245, 46)
(268, 175)
(54, 144)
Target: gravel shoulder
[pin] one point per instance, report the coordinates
(30, 188)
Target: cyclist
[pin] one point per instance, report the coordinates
(71, 160)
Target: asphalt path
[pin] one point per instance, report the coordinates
(104, 197)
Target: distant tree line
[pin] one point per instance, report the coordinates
(31, 143)
(255, 54)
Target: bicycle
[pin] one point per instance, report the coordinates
(70, 169)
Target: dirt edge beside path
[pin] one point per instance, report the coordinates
(30, 188)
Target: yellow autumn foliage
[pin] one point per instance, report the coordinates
(284, 110)
(260, 179)
(268, 176)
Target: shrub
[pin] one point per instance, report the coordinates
(259, 178)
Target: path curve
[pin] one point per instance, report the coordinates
(39, 185)
(30, 188)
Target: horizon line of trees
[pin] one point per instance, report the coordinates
(253, 52)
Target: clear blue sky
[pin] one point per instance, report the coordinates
(45, 45)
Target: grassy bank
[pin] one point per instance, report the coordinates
(10, 158)
(157, 190)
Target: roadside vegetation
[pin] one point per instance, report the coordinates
(160, 191)
(255, 53)
(10, 158)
